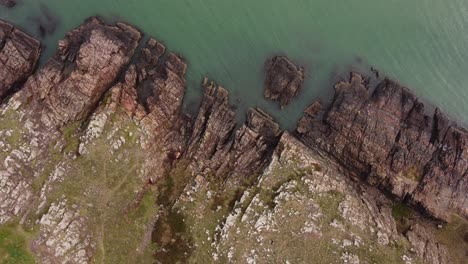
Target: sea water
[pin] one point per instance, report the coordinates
(423, 44)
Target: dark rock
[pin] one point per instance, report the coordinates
(283, 81)
(8, 3)
(385, 137)
(19, 54)
(89, 59)
(217, 148)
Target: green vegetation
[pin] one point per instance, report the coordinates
(14, 245)
(413, 174)
(10, 121)
(329, 203)
(170, 234)
(106, 184)
(403, 214)
(454, 236)
(71, 138)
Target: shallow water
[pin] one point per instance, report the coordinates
(423, 44)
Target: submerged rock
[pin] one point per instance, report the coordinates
(283, 80)
(19, 54)
(385, 137)
(8, 3)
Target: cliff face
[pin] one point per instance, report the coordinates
(98, 163)
(385, 137)
(19, 54)
(215, 146)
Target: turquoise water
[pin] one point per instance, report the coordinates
(423, 44)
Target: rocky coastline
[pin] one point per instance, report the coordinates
(91, 108)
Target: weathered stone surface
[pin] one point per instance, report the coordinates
(19, 54)
(424, 243)
(283, 80)
(385, 137)
(302, 199)
(69, 86)
(43, 117)
(81, 194)
(218, 148)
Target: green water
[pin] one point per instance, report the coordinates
(423, 43)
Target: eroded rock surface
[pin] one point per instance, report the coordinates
(301, 209)
(217, 147)
(40, 120)
(283, 80)
(19, 54)
(98, 164)
(385, 136)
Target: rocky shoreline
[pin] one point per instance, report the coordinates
(90, 100)
(384, 137)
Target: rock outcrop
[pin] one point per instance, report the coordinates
(41, 119)
(283, 80)
(19, 54)
(97, 157)
(89, 59)
(151, 93)
(385, 137)
(217, 147)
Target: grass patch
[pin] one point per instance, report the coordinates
(413, 173)
(71, 138)
(329, 203)
(10, 121)
(454, 236)
(402, 214)
(14, 245)
(118, 206)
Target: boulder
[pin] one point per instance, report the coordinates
(283, 81)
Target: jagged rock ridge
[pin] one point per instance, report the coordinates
(102, 197)
(385, 137)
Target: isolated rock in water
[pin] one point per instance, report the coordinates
(283, 80)
(8, 3)
(384, 136)
(19, 54)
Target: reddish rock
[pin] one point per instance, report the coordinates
(385, 137)
(89, 59)
(19, 54)
(216, 147)
(283, 80)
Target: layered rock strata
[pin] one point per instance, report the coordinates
(39, 123)
(216, 147)
(385, 136)
(97, 157)
(19, 54)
